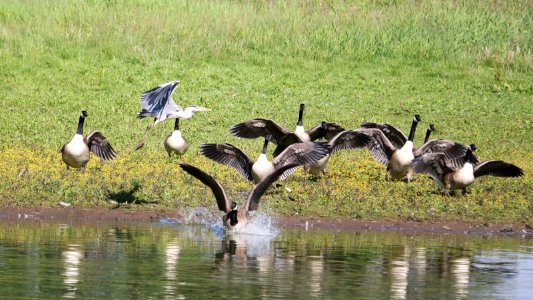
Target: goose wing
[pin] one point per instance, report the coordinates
(433, 164)
(100, 146)
(395, 136)
(327, 131)
(255, 128)
(350, 139)
(497, 168)
(252, 202)
(231, 156)
(379, 145)
(158, 101)
(300, 154)
(453, 152)
(219, 192)
(286, 141)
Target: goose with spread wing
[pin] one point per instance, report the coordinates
(345, 140)
(299, 154)
(158, 104)
(281, 136)
(395, 153)
(461, 173)
(235, 218)
(76, 153)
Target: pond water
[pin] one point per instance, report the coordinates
(172, 261)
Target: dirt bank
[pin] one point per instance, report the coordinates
(85, 215)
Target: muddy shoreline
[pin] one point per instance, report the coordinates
(86, 215)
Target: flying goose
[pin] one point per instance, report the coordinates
(348, 139)
(459, 174)
(235, 219)
(300, 153)
(158, 103)
(175, 143)
(391, 152)
(281, 136)
(76, 153)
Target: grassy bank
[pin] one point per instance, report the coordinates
(465, 66)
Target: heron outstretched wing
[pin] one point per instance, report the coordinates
(158, 102)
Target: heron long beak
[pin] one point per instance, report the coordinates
(200, 108)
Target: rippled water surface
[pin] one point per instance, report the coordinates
(158, 261)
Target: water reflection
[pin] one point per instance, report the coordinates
(125, 261)
(71, 261)
(460, 269)
(172, 253)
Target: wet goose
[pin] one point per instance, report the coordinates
(460, 173)
(235, 219)
(300, 153)
(392, 153)
(349, 139)
(76, 153)
(158, 103)
(281, 136)
(175, 143)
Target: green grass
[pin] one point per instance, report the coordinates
(465, 66)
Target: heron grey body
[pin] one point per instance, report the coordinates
(158, 104)
(235, 219)
(76, 153)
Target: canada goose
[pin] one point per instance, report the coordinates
(349, 139)
(175, 143)
(76, 153)
(281, 136)
(391, 152)
(300, 153)
(158, 103)
(459, 174)
(451, 149)
(235, 219)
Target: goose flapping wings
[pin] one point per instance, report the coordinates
(223, 202)
(100, 146)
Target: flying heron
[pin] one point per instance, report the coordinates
(158, 103)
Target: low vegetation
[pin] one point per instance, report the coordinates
(465, 66)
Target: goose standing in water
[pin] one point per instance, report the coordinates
(349, 139)
(397, 156)
(158, 103)
(175, 143)
(299, 154)
(235, 219)
(281, 136)
(459, 174)
(76, 153)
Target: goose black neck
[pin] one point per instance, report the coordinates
(301, 115)
(80, 125)
(412, 132)
(428, 133)
(232, 215)
(265, 146)
(469, 155)
(177, 124)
